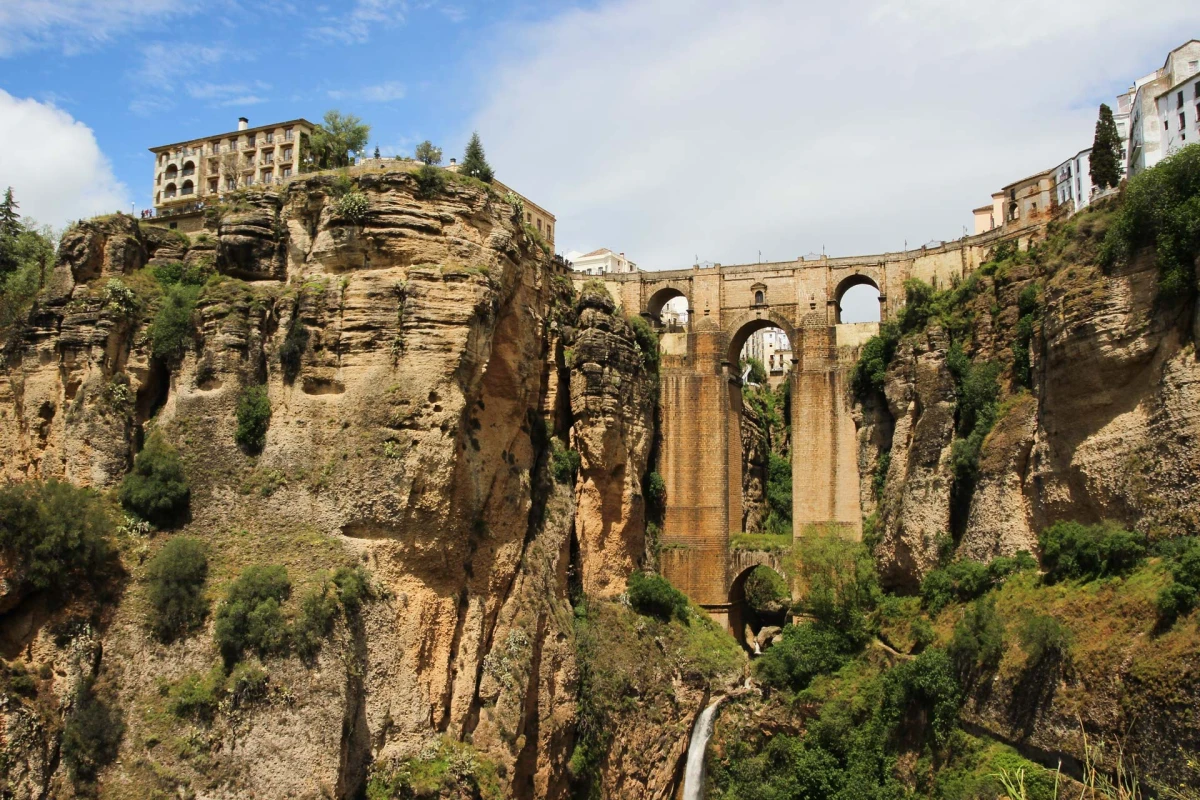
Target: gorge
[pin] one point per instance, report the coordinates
(473, 526)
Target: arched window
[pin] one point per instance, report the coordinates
(170, 191)
(759, 297)
(189, 169)
(187, 188)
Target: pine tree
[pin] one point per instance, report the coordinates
(376, 152)
(9, 218)
(1106, 151)
(474, 162)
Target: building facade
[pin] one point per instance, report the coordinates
(1179, 110)
(188, 173)
(1021, 203)
(773, 349)
(603, 262)
(1073, 180)
(1153, 114)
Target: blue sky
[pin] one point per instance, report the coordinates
(672, 130)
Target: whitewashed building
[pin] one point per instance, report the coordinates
(1179, 110)
(603, 262)
(1073, 180)
(1152, 113)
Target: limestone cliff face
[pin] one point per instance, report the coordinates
(613, 396)
(407, 436)
(1108, 431)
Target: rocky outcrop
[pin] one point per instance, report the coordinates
(424, 350)
(755, 447)
(613, 394)
(915, 509)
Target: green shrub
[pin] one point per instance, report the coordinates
(1074, 550)
(172, 326)
(966, 580)
(1161, 207)
(291, 352)
(647, 341)
(879, 479)
(176, 577)
(873, 359)
(779, 494)
(802, 653)
(353, 587)
(318, 607)
(927, 682)
(156, 490)
(91, 735)
(175, 273)
(841, 586)
(766, 591)
(352, 206)
(978, 640)
(758, 372)
(654, 596)
(253, 418)
(54, 536)
(250, 617)
(246, 683)
(430, 182)
(564, 463)
(197, 696)
(656, 495)
(1181, 595)
(1044, 639)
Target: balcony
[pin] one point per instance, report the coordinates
(285, 156)
(187, 172)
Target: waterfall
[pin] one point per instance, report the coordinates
(693, 774)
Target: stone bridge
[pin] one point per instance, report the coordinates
(701, 401)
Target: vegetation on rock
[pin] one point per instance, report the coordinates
(172, 328)
(1104, 160)
(253, 418)
(1074, 550)
(54, 536)
(251, 618)
(176, 577)
(157, 490)
(654, 596)
(474, 162)
(337, 140)
(92, 734)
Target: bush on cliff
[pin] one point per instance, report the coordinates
(654, 596)
(965, 580)
(564, 461)
(431, 182)
(841, 586)
(251, 618)
(1181, 595)
(176, 577)
(802, 653)
(1161, 207)
(172, 326)
(92, 734)
(253, 418)
(647, 341)
(156, 490)
(54, 535)
(1073, 550)
(291, 352)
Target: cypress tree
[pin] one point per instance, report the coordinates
(9, 224)
(1106, 151)
(474, 162)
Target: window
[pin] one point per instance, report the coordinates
(287, 134)
(1179, 99)
(1197, 90)
(250, 140)
(539, 226)
(1182, 121)
(212, 185)
(285, 172)
(287, 154)
(270, 136)
(215, 147)
(231, 183)
(759, 297)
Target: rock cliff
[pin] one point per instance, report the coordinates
(420, 360)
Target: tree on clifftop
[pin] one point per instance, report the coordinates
(10, 224)
(428, 153)
(337, 139)
(474, 162)
(1106, 151)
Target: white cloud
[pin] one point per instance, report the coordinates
(366, 17)
(671, 129)
(75, 25)
(386, 92)
(54, 165)
(161, 70)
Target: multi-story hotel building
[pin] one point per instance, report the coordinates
(192, 171)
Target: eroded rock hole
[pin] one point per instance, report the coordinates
(313, 385)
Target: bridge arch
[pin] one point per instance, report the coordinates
(662, 295)
(852, 282)
(742, 613)
(745, 326)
